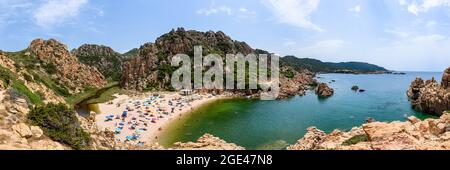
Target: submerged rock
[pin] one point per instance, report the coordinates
(323, 90)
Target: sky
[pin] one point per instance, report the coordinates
(404, 35)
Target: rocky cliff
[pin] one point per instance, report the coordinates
(414, 134)
(70, 72)
(152, 70)
(430, 97)
(104, 58)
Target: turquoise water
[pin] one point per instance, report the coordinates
(258, 124)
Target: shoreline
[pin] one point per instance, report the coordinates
(145, 118)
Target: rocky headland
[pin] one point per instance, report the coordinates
(429, 96)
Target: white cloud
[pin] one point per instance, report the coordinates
(295, 12)
(397, 33)
(425, 6)
(327, 48)
(11, 8)
(421, 52)
(241, 12)
(355, 9)
(54, 12)
(214, 10)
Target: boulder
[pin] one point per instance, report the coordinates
(312, 139)
(323, 90)
(382, 130)
(37, 131)
(23, 130)
(2, 87)
(413, 119)
(207, 142)
(446, 79)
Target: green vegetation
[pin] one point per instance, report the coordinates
(50, 68)
(107, 95)
(319, 66)
(356, 139)
(9, 79)
(105, 59)
(88, 93)
(24, 61)
(61, 124)
(51, 84)
(288, 73)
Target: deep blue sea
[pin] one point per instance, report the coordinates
(258, 124)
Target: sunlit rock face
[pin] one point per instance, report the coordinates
(430, 97)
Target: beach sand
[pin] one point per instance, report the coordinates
(158, 109)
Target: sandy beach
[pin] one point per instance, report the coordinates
(140, 119)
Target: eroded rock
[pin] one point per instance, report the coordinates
(323, 90)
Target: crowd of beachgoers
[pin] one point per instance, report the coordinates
(141, 119)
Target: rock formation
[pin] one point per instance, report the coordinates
(207, 142)
(430, 97)
(105, 59)
(15, 134)
(323, 90)
(152, 70)
(296, 85)
(70, 72)
(446, 79)
(414, 134)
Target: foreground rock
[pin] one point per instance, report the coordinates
(414, 134)
(207, 142)
(323, 90)
(430, 97)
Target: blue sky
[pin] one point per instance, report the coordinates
(409, 35)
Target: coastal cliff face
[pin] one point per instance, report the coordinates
(151, 69)
(104, 58)
(70, 72)
(430, 97)
(414, 134)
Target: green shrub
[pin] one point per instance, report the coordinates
(288, 73)
(356, 139)
(61, 124)
(19, 86)
(9, 78)
(50, 68)
(54, 86)
(28, 77)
